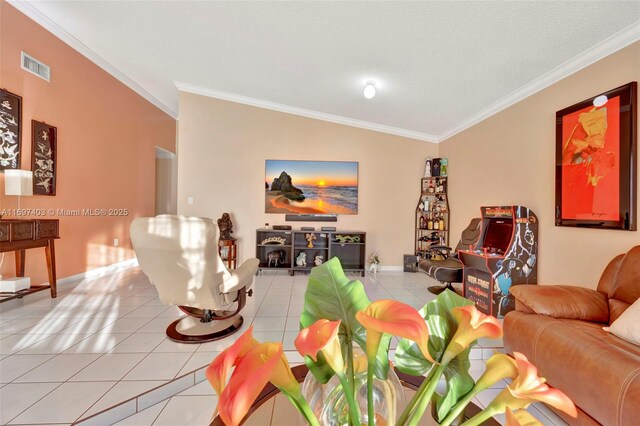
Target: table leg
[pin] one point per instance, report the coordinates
(51, 267)
(20, 263)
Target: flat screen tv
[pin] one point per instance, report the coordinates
(311, 187)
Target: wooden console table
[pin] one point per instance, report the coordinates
(21, 234)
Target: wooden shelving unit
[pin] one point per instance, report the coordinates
(432, 215)
(351, 254)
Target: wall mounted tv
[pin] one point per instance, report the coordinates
(311, 187)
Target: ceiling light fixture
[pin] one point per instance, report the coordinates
(600, 100)
(369, 89)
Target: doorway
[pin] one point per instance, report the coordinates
(166, 182)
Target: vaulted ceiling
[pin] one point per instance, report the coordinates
(440, 66)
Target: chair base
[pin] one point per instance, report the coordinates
(436, 289)
(191, 330)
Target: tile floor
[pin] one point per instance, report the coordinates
(102, 342)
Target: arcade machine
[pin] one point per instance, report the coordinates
(505, 255)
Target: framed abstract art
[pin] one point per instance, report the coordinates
(44, 150)
(596, 161)
(10, 130)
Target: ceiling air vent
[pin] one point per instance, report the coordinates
(34, 66)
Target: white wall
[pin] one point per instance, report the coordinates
(222, 148)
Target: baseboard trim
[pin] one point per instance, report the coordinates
(391, 268)
(98, 272)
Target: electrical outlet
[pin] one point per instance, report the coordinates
(190, 200)
(115, 242)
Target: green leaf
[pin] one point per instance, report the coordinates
(459, 383)
(331, 295)
(442, 327)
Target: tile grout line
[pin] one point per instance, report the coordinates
(122, 379)
(61, 383)
(166, 402)
(23, 411)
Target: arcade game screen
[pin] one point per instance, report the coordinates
(498, 235)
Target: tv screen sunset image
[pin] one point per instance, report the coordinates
(311, 187)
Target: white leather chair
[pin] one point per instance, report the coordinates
(180, 256)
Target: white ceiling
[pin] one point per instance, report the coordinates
(441, 66)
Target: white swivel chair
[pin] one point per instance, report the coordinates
(180, 256)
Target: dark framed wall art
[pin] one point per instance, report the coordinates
(44, 146)
(10, 130)
(596, 161)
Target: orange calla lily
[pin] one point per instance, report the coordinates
(499, 367)
(255, 369)
(528, 387)
(283, 377)
(521, 418)
(219, 369)
(322, 336)
(472, 325)
(393, 317)
(360, 363)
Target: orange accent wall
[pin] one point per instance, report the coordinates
(106, 139)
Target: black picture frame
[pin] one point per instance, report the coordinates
(44, 157)
(627, 148)
(10, 130)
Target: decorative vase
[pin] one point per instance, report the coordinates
(329, 403)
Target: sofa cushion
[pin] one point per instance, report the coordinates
(609, 274)
(626, 286)
(561, 301)
(597, 370)
(627, 327)
(616, 308)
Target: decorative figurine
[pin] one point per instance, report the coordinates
(277, 257)
(280, 241)
(444, 165)
(318, 260)
(226, 227)
(427, 167)
(301, 260)
(343, 239)
(310, 237)
(374, 263)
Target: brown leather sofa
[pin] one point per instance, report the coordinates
(559, 328)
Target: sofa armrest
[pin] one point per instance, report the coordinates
(562, 301)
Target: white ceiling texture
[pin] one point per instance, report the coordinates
(440, 66)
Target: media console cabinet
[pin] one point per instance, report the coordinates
(278, 250)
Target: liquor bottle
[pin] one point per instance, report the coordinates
(421, 222)
(430, 222)
(442, 223)
(436, 223)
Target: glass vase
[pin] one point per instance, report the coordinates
(330, 406)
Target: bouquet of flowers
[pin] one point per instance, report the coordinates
(435, 342)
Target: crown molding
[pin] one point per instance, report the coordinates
(43, 20)
(260, 103)
(608, 46)
(623, 38)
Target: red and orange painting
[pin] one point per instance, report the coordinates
(596, 156)
(591, 163)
